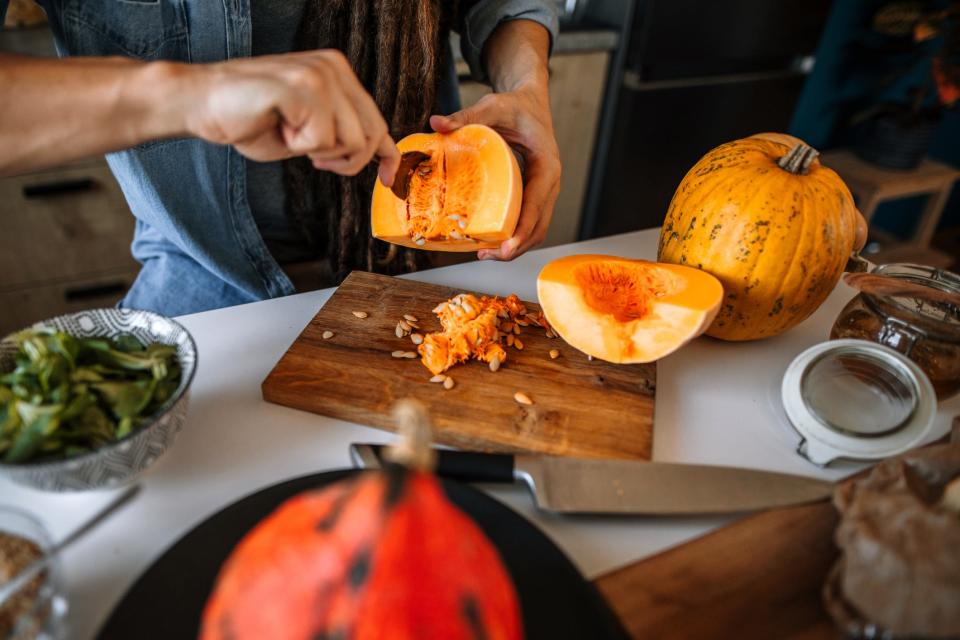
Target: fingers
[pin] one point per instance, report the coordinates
(330, 117)
(389, 157)
(539, 197)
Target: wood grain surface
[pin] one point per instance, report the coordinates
(580, 408)
(759, 577)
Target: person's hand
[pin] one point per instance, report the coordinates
(277, 107)
(522, 117)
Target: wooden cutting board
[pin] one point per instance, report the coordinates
(761, 577)
(758, 578)
(580, 408)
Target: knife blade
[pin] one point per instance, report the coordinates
(576, 485)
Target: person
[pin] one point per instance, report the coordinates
(247, 135)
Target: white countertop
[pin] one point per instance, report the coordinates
(716, 403)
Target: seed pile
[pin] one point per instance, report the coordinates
(479, 328)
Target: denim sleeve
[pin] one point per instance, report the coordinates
(3, 10)
(485, 16)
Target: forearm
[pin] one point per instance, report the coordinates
(516, 56)
(54, 111)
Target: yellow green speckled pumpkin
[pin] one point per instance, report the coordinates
(772, 223)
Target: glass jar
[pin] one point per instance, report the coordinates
(37, 611)
(927, 333)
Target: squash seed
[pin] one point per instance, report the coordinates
(360, 314)
(516, 329)
(448, 383)
(409, 354)
(438, 378)
(554, 354)
(416, 339)
(399, 331)
(494, 363)
(518, 344)
(398, 354)
(522, 398)
(327, 335)
(420, 242)
(506, 327)
(410, 318)
(403, 324)
(510, 339)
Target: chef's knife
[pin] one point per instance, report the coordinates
(575, 485)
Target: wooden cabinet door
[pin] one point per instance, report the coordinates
(69, 223)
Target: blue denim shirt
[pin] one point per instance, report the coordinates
(195, 237)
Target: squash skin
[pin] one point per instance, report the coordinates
(778, 242)
(494, 211)
(382, 556)
(588, 303)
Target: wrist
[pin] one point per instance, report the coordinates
(533, 79)
(160, 95)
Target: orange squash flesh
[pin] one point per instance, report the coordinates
(466, 197)
(626, 311)
(471, 329)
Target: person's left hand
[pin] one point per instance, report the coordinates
(523, 118)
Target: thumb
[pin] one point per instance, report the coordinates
(471, 115)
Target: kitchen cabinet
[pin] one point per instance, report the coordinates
(65, 244)
(577, 80)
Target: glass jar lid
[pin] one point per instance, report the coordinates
(856, 399)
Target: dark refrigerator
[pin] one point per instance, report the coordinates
(695, 75)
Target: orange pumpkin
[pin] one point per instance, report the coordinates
(383, 556)
(791, 142)
(774, 225)
(462, 192)
(626, 311)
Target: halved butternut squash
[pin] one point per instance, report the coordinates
(627, 311)
(464, 196)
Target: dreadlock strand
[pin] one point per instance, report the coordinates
(394, 48)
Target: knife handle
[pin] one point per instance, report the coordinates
(466, 466)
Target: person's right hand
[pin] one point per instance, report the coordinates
(276, 107)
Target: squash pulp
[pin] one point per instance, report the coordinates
(626, 311)
(464, 197)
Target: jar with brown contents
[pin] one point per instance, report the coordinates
(15, 554)
(926, 332)
(35, 612)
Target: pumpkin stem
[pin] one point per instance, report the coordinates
(413, 425)
(799, 159)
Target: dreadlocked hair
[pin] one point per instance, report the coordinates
(395, 49)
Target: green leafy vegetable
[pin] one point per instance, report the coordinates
(68, 395)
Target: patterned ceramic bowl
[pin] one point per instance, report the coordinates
(124, 460)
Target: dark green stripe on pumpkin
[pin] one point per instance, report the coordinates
(359, 569)
(329, 519)
(470, 610)
(396, 485)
